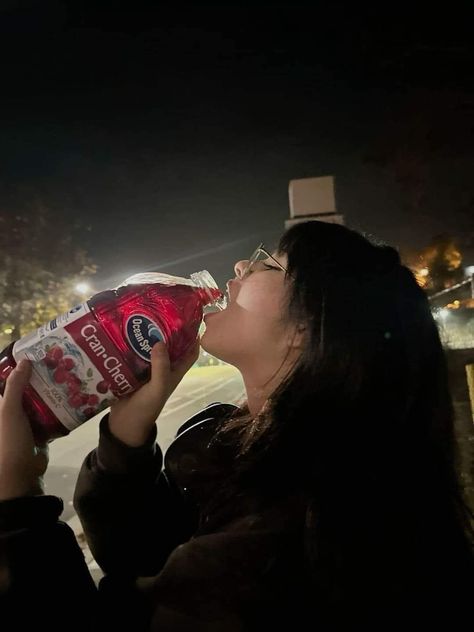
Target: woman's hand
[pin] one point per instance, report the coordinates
(132, 418)
(22, 464)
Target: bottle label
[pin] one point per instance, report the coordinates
(77, 370)
(142, 333)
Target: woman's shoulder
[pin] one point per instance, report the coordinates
(215, 412)
(195, 459)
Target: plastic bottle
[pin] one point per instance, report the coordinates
(100, 350)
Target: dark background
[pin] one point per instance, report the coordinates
(172, 130)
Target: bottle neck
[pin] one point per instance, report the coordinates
(209, 296)
(208, 289)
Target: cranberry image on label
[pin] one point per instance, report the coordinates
(99, 351)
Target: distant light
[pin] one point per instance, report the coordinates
(424, 272)
(83, 288)
(454, 305)
(469, 270)
(8, 330)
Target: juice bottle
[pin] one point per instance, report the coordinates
(100, 350)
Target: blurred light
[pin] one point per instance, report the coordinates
(443, 313)
(424, 272)
(83, 288)
(8, 330)
(469, 271)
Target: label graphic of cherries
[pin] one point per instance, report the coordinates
(63, 373)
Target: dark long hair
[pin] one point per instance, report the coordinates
(363, 425)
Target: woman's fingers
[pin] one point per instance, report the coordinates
(183, 365)
(21, 465)
(15, 386)
(164, 377)
(16, 434)
(131, 419)
(160, 365)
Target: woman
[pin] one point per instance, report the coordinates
(331, 497)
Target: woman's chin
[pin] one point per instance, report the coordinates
(209, 348)
(204, 342)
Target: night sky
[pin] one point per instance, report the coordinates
(173, 132)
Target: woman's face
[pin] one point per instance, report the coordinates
(253, 330)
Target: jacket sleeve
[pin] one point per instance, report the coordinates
(45, 582)
(132, 517)
(41, 565)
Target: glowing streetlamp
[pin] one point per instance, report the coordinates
(83, 288)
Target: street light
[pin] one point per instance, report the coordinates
(83, 288)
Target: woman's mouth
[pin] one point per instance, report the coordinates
(229, 289)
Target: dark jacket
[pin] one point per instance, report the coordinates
(241, 571)
(143, 520)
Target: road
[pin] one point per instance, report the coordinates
(201, 386)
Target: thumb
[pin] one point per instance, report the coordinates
(184, 364)
(160, 363)
(192, 355)
(15, 386)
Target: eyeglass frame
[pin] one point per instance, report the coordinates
(260, 248)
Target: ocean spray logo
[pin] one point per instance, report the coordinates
(142, 333)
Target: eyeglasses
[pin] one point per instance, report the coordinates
(259, 254)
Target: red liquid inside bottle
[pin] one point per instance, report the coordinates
(100, 350)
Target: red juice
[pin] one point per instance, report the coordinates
(100, 351)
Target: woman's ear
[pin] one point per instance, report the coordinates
(298, 337)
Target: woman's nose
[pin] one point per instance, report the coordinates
(240, 268)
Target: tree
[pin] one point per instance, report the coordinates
(438, 265)
(442, 258)
(41, 264)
